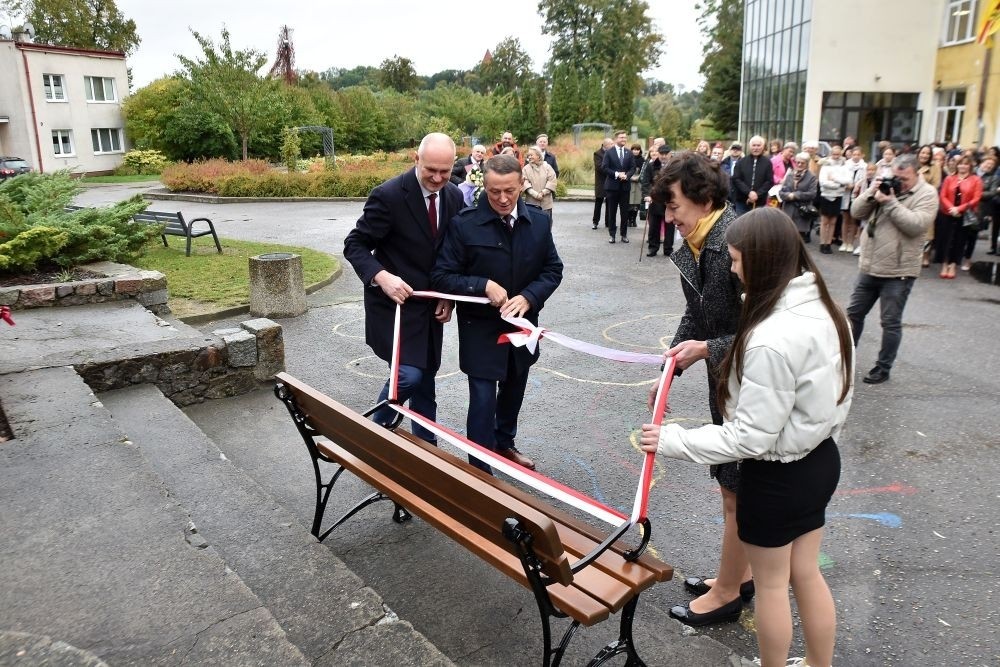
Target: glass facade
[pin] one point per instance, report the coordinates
(775, 61)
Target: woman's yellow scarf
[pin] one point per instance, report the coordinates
(696, 239)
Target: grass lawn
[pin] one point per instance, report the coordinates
(140, 178)
(207, 281)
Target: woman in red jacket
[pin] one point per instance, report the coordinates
(960, 192)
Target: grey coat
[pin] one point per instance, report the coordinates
(798, 194)
(712, 292)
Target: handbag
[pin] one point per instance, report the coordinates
(970, 220)
(808, 211)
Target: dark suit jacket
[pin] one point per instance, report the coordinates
(613, 164)
(479, 247)
(460, 170)
(599, 173)
(762, 179)
(551, 159)
(393, 233)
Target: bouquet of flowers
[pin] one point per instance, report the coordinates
(472, 187)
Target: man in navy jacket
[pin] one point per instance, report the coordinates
(618, 166)
(392, 249)
(503, 250)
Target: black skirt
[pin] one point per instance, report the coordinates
(830, 209)
(778, 502)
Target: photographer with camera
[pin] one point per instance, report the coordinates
(899, 209)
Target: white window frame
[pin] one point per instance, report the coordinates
(62, 135)
(954, 12)
(946, 105)
(88, 85)
(53, 83)
(99, 145)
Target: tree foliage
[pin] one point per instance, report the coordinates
(599, 50)
(398, 74)
(87, 24)
(507, 70)
(227, 82)
(721, 22)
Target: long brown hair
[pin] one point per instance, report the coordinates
(772, 255)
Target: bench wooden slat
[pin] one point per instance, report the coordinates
(581, 538)
(570, 599)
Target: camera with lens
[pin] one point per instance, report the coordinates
(889, 185)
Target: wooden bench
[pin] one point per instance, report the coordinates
(175, 225)
(573, 569)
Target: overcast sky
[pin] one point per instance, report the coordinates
(435, 36)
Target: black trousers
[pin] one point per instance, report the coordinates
(598, 202)
(654, 235)
(616, 203)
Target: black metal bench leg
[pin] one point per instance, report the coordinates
(189, 245)
(625, 643)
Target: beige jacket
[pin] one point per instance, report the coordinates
(894, 236)
(538, 178)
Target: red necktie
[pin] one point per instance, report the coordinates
(432, 213)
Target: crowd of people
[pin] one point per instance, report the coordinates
(758, 313)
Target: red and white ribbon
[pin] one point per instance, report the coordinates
(528, 336)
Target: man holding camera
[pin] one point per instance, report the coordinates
(899, 211)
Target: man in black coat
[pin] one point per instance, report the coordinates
(753, 177)
(392, 249)
(464, 165)
(619, 165)
(501, 249)
(599, 178)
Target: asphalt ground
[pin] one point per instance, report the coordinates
(911, 545)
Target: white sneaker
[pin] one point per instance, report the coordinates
(844, 247)
(857, 251)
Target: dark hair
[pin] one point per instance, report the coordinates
(502, 164)
(701, 180)
(636, 147)
(772, 254)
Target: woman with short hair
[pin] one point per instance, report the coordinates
(538, 181)
(797, 194)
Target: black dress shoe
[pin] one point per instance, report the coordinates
(595, 226)
(724, 614)
(698, 586)
(876, 375)
(624, 239)
(651, 253)
(611, 240)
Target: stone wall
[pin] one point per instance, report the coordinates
(234, 363)
(120, 282)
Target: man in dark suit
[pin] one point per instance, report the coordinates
(543, 145)
(619, 165)
(599, 178)
(392, 248)
(502, 249)
(464, 165)
(752, 178)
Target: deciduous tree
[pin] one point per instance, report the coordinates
(721, 22)
(87, 24)
(229, 84)
(398, 74)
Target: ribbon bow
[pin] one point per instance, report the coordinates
(528, 335)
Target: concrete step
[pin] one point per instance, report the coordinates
(100, 332)
(95, 553)
(324, 608)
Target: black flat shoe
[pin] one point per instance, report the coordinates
(698, 586)
(727, 613)
(611, 240)
(595, 226)
(651, 253)
(624, 239)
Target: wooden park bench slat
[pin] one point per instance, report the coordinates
(174, 224)
(563, 561)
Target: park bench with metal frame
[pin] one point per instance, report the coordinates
(176, 225)
(575, 571)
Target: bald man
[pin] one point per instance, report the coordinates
(392, 249)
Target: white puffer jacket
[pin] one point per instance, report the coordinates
(786, 404)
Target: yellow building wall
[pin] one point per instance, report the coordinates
(961, 66)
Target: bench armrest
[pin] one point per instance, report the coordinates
(191, 223)
(616, 535)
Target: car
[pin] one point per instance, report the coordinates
(13, 166)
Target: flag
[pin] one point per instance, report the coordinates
(991, 22)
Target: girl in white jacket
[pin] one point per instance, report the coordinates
(789, 389)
